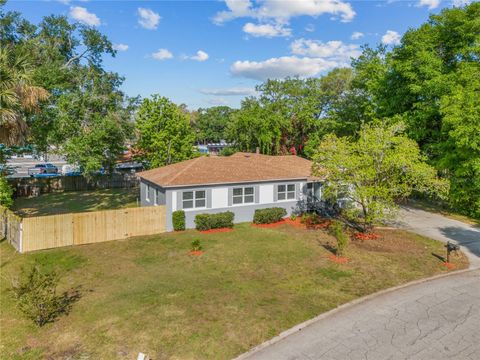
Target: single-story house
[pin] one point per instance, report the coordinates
(240, 183)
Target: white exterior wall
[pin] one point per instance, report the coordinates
(219, 197)
(266, 193)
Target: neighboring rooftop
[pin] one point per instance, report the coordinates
(240, 167)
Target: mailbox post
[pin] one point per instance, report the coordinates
(451, 247)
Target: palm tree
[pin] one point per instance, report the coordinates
(18, 96)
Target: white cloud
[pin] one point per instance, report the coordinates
(162, 54)
(266, 30)
(282, 11)
(391, 38)
(82, 15)
(432, 4)
(331, 50)
(233, 91)
(120, 47)
(200, 56)
(356, 35)
(148, 19)
(281, 67)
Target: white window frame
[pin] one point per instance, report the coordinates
(286, 192)
(155, 197)
(147, 192)
(194, 199)
(243, 195)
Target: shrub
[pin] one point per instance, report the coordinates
(311, 220)
(6, 192)
(293, 217)
(178, 220)
(36, 296)
(196, 246)
(214, 221)
(341, 237)
(269, 215)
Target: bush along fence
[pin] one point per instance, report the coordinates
(45, 232)
(11, 228)
(36, 186)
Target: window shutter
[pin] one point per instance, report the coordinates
(179, 200)
(230, 196)
(297, 191)
(275, 192)
(208, 193)
(257, 194)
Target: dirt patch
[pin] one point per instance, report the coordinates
(390, 242)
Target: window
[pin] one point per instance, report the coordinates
(243, 195)
(286, 192)
(194, 199)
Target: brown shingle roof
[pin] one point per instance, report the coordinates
(240, 167)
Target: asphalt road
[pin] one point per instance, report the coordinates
(432, 320)
(21, 165)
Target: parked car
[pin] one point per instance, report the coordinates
(71, 170)
(43, 169)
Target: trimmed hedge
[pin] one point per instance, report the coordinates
(269, 215)
(214, 221)
(178, 220)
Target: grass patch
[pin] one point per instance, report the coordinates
(76, 201)
(148, 295)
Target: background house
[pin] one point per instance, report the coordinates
(240, 183)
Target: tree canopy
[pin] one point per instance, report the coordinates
(164, 132)
(374, 171)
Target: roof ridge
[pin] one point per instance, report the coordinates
(194, 161)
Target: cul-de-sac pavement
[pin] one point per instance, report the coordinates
(433, 320)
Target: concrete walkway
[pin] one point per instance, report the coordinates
(441, 228)
(433, 319)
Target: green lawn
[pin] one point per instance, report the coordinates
(148, 295)
(76, 201)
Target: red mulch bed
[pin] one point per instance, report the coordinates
(272, 225)
(338, 259)
(365, 236)
(449, 265)
(195, 253)
(213, 231)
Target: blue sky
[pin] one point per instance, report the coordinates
(205, 53)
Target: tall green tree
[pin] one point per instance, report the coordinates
(18, 95)
(85, 103)
(374, 171)
(210, 123)
(164, 133)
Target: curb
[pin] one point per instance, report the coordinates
(343, 307)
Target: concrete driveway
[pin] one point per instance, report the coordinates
(441, 228)
(433, 319)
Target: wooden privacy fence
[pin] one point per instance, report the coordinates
(36, 186)
(11, 227)
(45, 232)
